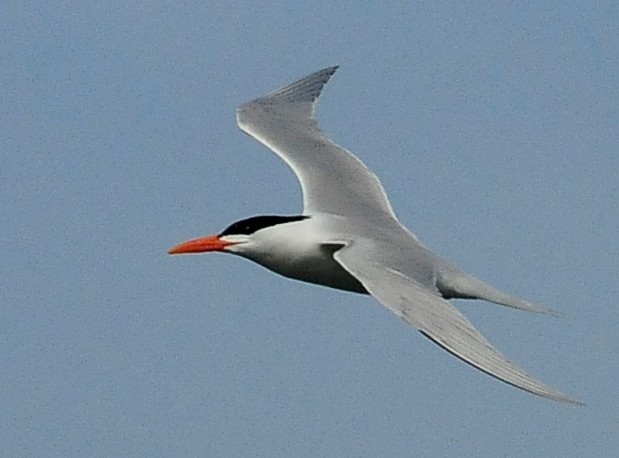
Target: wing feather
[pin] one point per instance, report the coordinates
(333, 180)
(437, 319)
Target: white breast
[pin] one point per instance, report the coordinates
(297, 250)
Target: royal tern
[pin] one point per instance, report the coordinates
(349, 237)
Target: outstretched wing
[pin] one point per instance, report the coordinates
(435, 318)
(333, 180)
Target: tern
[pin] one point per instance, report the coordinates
(348, 236)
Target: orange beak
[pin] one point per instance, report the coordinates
(201, 245)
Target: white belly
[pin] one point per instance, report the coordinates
(319, 268)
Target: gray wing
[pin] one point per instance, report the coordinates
(332, 179)
(435, 318)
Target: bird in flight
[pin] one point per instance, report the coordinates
(349, 237)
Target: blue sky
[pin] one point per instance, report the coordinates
(494, 130)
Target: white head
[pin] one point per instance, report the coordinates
(238, 238)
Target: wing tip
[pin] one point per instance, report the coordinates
(306, 89)
(538, 388)
(297, 98)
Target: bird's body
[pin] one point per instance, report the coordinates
(349, 238)
(296, 250)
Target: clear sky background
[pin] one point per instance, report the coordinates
(495, 130)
